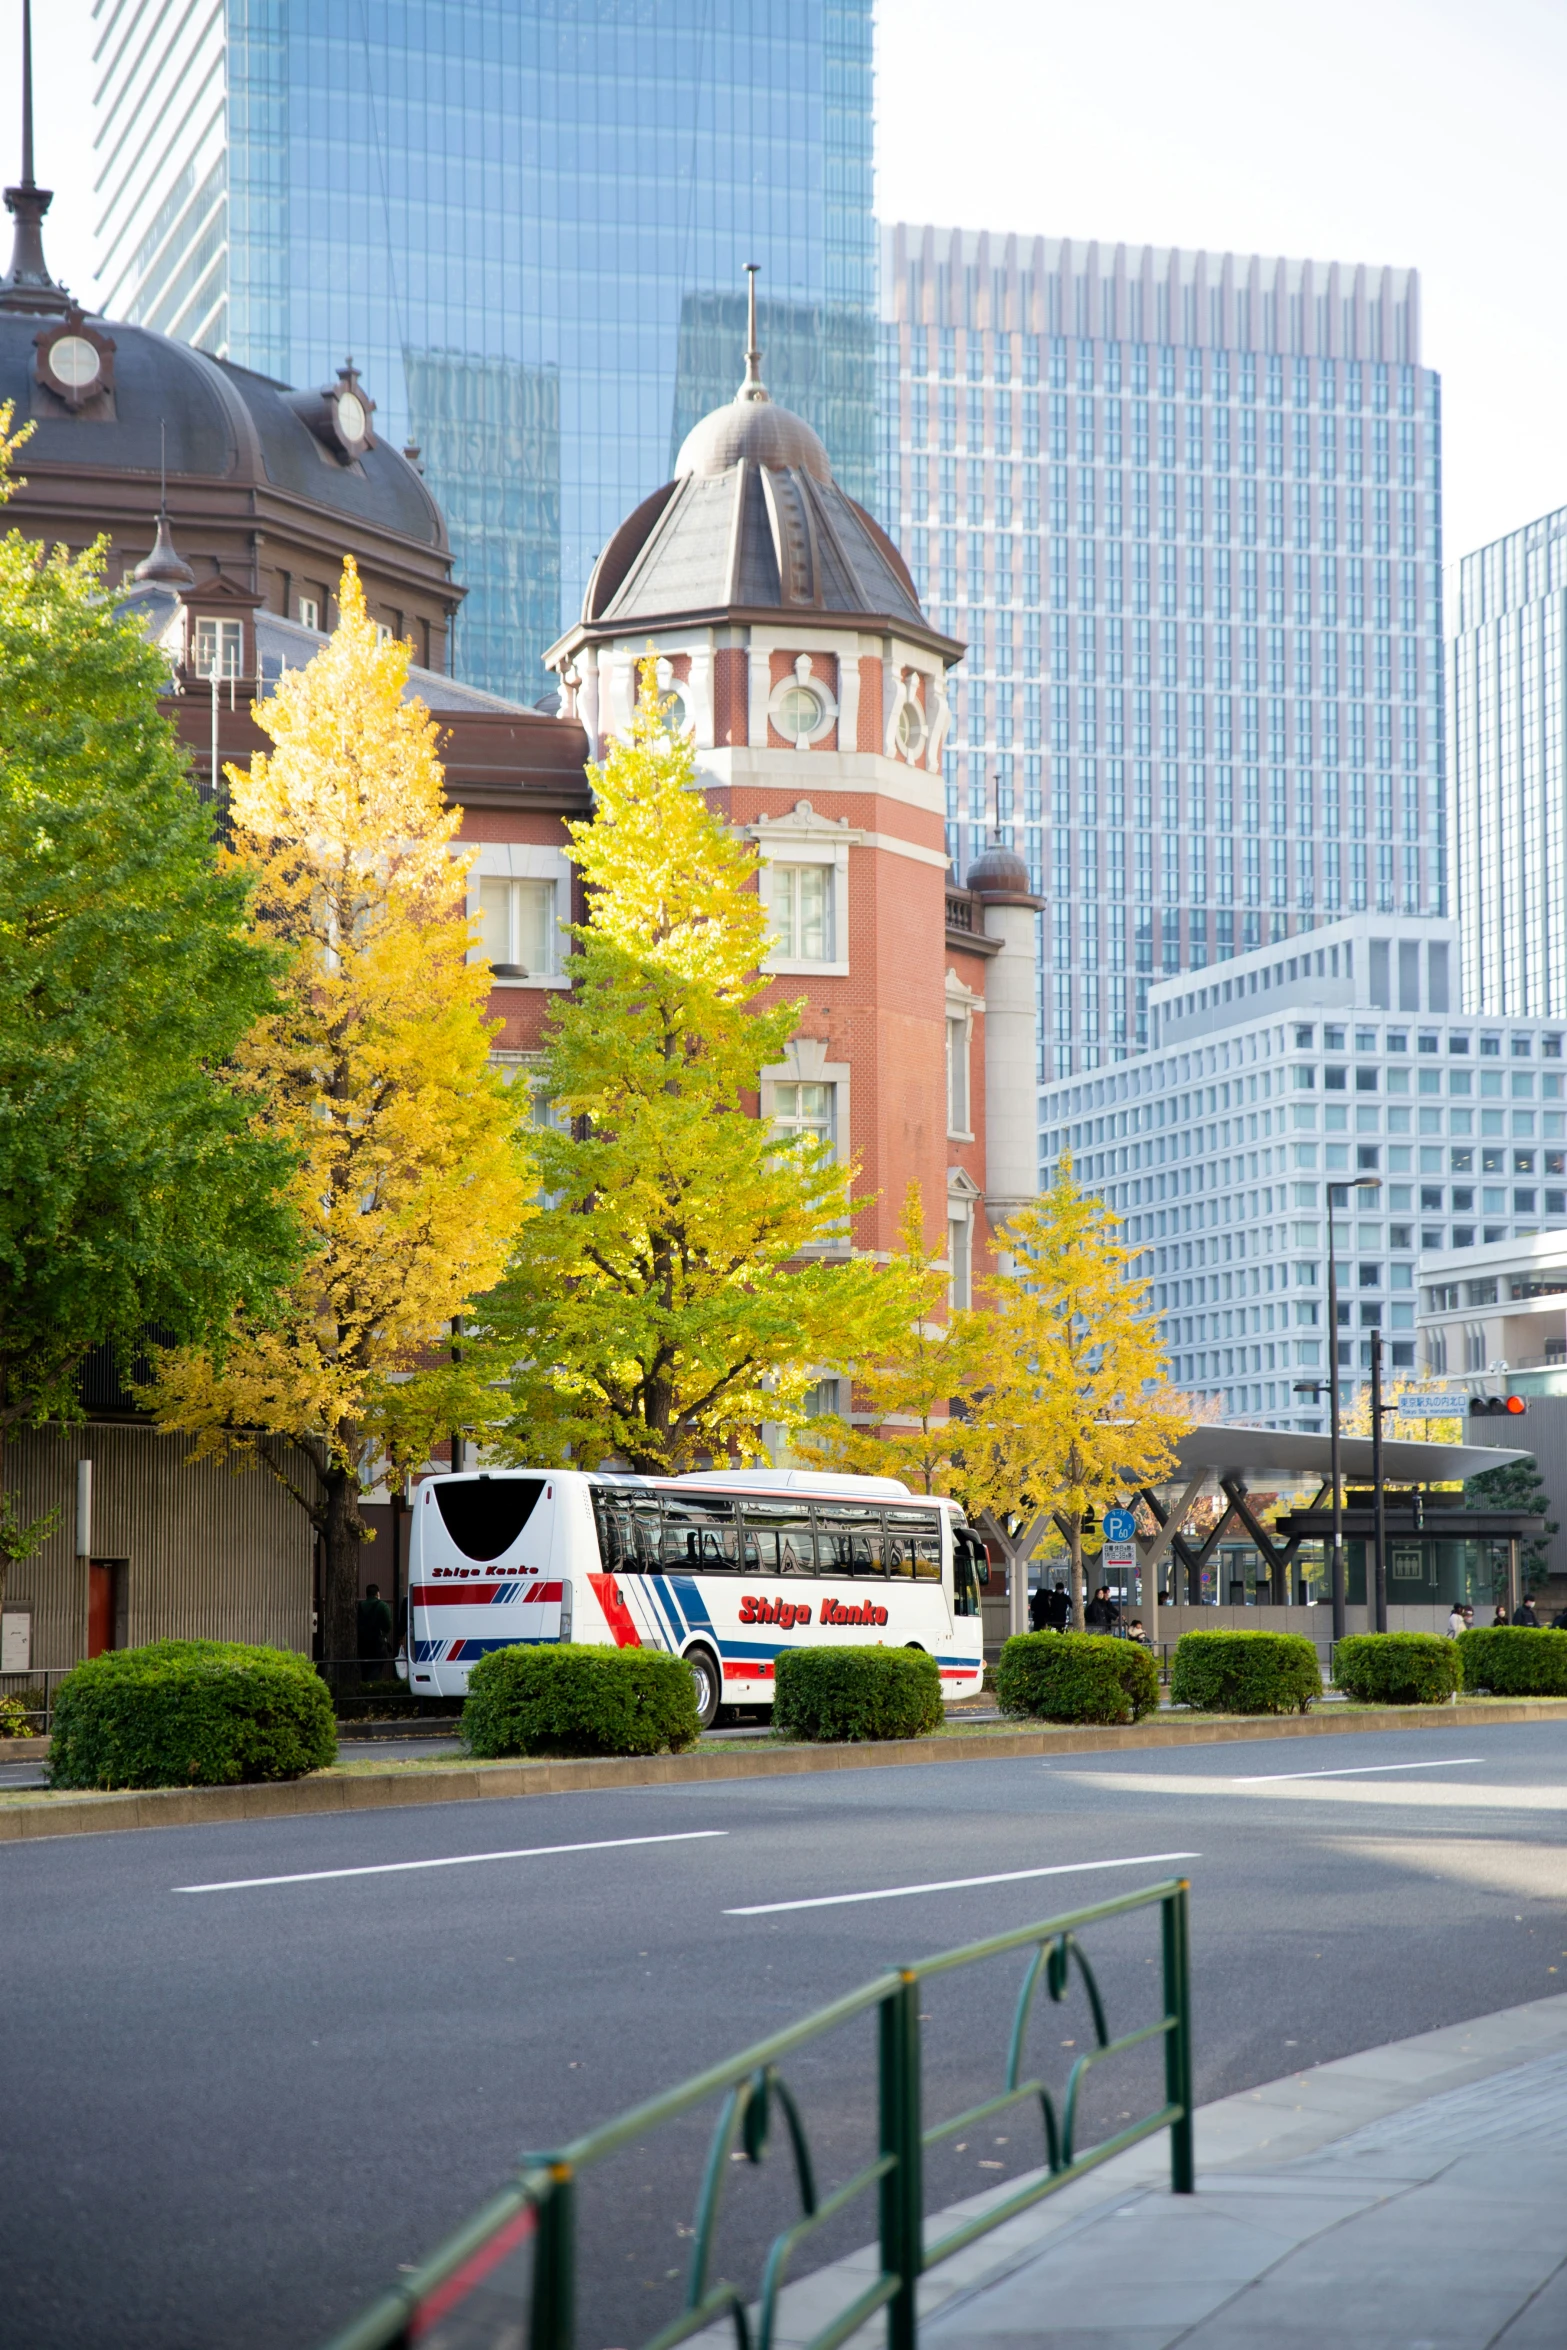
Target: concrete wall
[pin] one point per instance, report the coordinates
(209, 1554)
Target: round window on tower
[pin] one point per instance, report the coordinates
(802, 707)
(799, 713)
(73, 362)
(911, 730)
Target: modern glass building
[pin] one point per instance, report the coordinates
(527, 223)
(1509, 785)
(1185, 509)
(1293, 1069)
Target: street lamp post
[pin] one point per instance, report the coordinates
(1376, 1575)
(1313, 1387)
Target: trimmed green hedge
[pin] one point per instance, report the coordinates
(1245, 1673)
(190, 1713)
(569, 1698)
(1077, 1677)
(856, 1693)
(1399, 1668)
(1511, 1660)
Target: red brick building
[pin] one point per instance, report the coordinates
(813, 690)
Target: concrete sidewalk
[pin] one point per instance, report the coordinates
(1413, 2197)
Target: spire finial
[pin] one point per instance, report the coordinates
(27, 284)
(753, 387)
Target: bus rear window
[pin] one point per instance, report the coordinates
(485, 1516)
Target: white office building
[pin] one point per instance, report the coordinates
(1340, 1054)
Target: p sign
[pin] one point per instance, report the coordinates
(1120, 1526)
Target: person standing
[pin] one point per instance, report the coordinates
(1101, 1613)
(374, 1620)
(1527, 1614)
(1039, 1609)
(1455, 1622)
(1500, 1616)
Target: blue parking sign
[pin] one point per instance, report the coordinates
(1120, 1526)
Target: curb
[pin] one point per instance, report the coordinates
(180, 1807)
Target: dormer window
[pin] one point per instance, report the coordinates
(219, 648)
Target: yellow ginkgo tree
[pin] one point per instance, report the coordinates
(903, 1423)
(410, 1173)
(1072, 1410)
(689, 1274)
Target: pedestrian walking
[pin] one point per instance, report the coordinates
(1060, 1608)
(1527, 1615)
(1101, 1613)
(1455, 1622)
(375, 1627)
(1500, 1615)
(1039, 1609)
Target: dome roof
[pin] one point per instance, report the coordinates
(753, 524)
(999, 873)
(753, 429)
(208, 419)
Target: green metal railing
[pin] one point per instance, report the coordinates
(507, 2281)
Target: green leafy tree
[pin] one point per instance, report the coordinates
(1517, 1485)
(688, 1275)
(133, 1190)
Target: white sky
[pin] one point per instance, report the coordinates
(1423, 131)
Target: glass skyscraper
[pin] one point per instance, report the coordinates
(1185, 509)
(527, 223)
(1509, 791)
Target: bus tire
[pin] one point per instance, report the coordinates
(708, 1676)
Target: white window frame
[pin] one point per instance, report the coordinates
(803, 674)
(963, 1198)
(225, 637)
(524, 861)
(803, 837)
(808, 1065)
(310, 612)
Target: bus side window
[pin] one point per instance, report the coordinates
(781, 1533)
(849, 1540)
(914, 1545)
(700, 1533)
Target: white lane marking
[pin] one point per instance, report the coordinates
(1069, 1868)
(456, 1860)
(1453, 1762)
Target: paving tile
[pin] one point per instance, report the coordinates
(1542, 2324)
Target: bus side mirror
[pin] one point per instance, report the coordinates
(983, 1571)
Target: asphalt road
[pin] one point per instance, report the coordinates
(231, 2112)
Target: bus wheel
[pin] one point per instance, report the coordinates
(709, 1685)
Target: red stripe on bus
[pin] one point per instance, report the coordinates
(616, 1613)
(481, 1594)
(748, 1668)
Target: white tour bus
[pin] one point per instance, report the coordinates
(723, 1569)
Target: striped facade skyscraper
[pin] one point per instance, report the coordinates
(1509, 797)
(1185, 510)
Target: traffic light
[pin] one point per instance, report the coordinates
(1487, 1406)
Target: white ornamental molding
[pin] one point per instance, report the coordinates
(803, 707)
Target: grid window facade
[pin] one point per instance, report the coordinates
(528, 225)
(1335, 1056)
(1509, 665)
(1225, 634)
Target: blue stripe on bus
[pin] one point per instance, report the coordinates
(691, 1599)
(665, 1599)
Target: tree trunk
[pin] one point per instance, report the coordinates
(1078, 1624)
(344, 1536)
